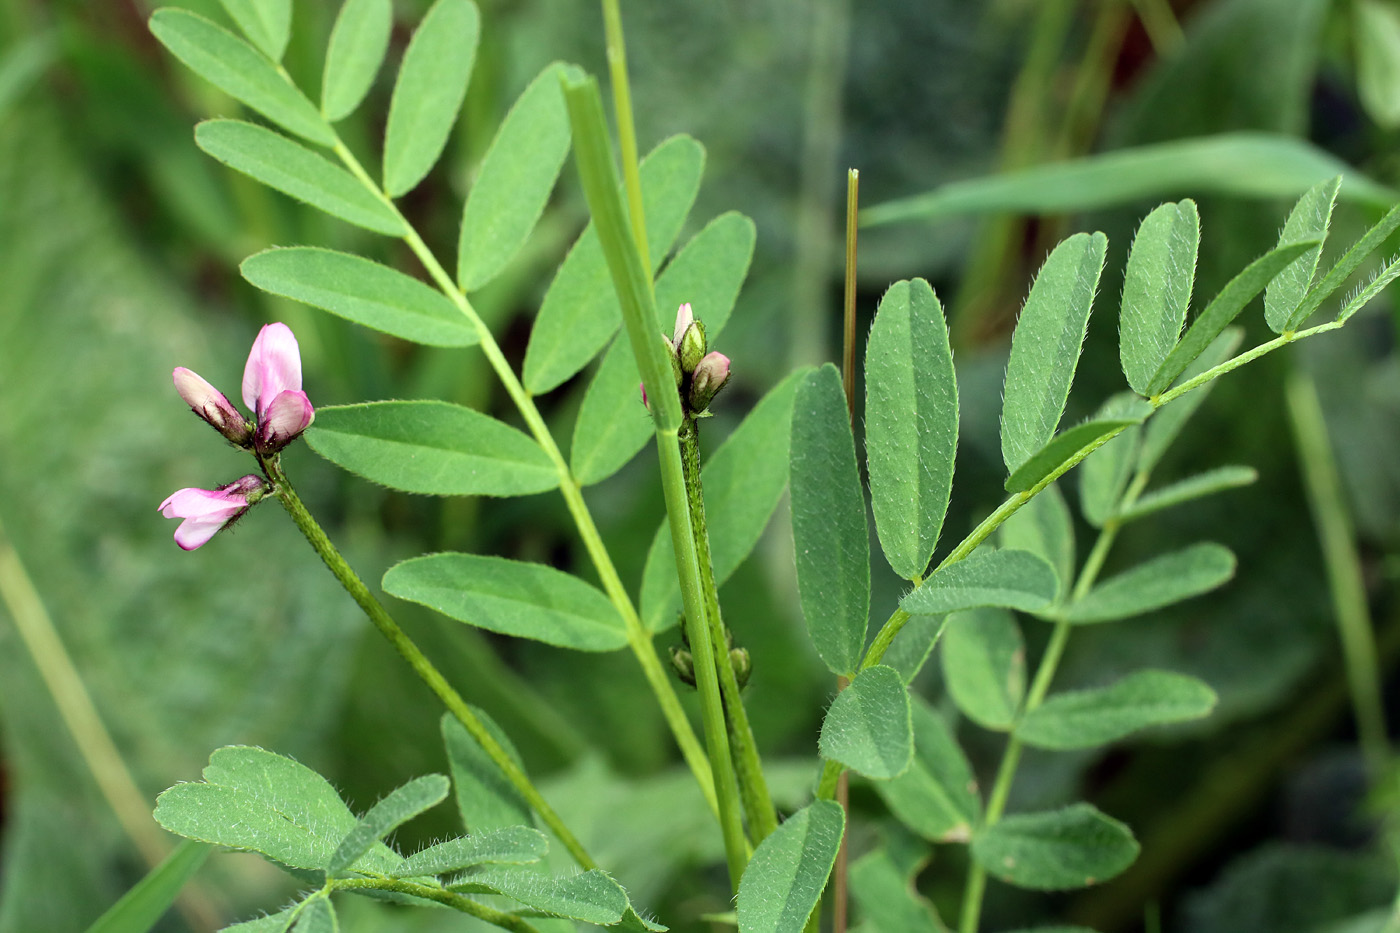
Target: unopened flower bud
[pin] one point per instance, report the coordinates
(743, 665)
(683, 664)
(207, 511)
(684, 318)
(212, 405)
(691, 349)
(710, 376)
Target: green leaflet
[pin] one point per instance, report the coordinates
(359, 41)
(1186, 490)
(1066, 445)
(1103, 476)
(362, 291)
(273, 923)
(255, 799)
(1166, 424)
(937, 796)
(984, 666)
(317, 916)
(591, 896)
(1376, 32)
(744, 480)
(883, 885)
(511, 597)
(432, 81)
(1157, 289)
(785, 877)
(266, 23)
(143, 905)
(514, 181)
(867, 728)
(1075, 847)
(1283, 299)
(830, 537)
(512, 845)
(1046, 344)
(485, 798)
(1159, 582)
(708, 272)
(580, 310)
(396, 808)
(1369, 291)
(1223, 309)
(294, 170)
(432, 447)
(1090, 718)
(1044, 527)
(235, 67)
(911, 424)
(1246, 164)
(1014, 579)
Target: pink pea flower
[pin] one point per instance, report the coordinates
(272, 388)
(207, 511)
(711, 374)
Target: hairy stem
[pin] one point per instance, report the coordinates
(424, 668)
(638, 639)
(440, 896)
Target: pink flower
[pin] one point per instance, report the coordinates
(206, 511)
(272, 388)
(212, 405)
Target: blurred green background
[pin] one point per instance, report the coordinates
(119, 244)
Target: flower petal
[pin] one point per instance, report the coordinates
(286, 417)
(684, 318)
(274, 366)
(211, 405)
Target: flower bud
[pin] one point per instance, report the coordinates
(710, 376)
(212, 405)
(691, 349)
(683, 664)
(743, 665)
(684, 318)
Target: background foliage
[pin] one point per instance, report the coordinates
(120, 249)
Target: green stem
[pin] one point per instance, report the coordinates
(440, 896)
(424, 668)
(753, 785)
(638, 638)
(626, 129)
(1334, 532)
(1161, 26)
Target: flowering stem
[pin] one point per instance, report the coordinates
(626, 129)
(424, 668)
(638, 638)
(753, 786)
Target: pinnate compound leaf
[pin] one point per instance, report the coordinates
(266, 23)
(1090, 718)
(1009, 578)
(396, 808)
(294, 170)
(785, 877)
(1045, 347)
(1159, 433)
(1066, 445)
(1223, 309)
(257, 800)
(432, 81)
(580, 310)
(911, 424)
(432, 447)
(1186, 490)
(511, 597)
(1159, 582)
(485, 797)
(359, 41)
(937, 796)
(362, 291)
(141, 907)
(1044, 527)
(744, 479)
(317, 916)
(1284, 297)
(1075, 847)
(1157, 289)
(867, 727)
(830, 537)
(708, 273)
(238, 69)
(984, 666)
(513, 184)
(511, 845)
(591, 896)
